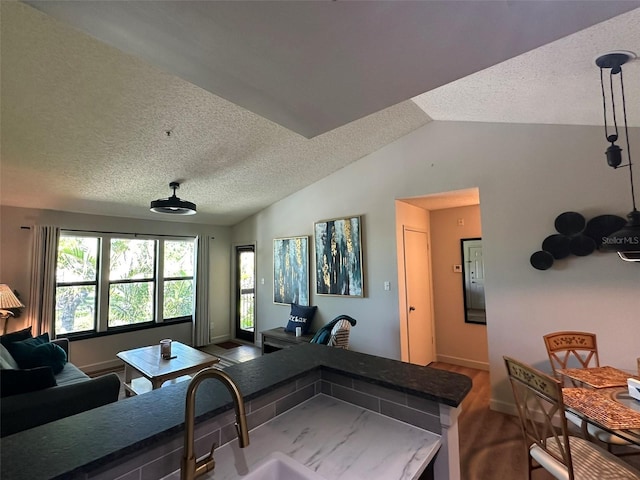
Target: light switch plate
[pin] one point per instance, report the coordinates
(457, 268)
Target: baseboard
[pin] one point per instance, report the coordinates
(221, 338)
(503, 407)
(107, 366)
(511, 409)
(463, 362)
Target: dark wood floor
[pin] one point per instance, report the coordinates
(491, 445)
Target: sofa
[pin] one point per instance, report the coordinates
(33, 394)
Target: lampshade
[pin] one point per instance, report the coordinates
(8, 299)
(173, 205)
(625, 241)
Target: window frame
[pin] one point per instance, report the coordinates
(101, 314)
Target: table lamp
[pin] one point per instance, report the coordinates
(7, 300)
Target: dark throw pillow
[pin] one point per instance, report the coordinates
(300, 316)
(38, 352)
(14, 382)
(16, 336)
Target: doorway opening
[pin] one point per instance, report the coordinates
(245, 293)
(447, 218)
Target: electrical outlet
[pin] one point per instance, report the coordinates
(461, 222)
(262, 281)
(387, 285)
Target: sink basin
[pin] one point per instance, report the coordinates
(279, 466)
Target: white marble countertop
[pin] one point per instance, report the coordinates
(338, 440)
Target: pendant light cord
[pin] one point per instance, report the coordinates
(604, 105)
(626, 134)
(615, 122)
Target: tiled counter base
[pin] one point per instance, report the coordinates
(373, 400)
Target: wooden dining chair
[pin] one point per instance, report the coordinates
(538, 398)
(569, 349)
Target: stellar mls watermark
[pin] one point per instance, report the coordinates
(631, 240)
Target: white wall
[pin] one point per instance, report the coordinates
(98, 353)
(527, 175)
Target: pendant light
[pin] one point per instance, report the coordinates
(173, 205)
(625, 241)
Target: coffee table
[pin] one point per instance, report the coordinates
(148, 362)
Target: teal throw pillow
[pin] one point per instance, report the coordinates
(38, 352)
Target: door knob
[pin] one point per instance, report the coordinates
(411, 308)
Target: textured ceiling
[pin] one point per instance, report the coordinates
(84, 123)
(557, 83)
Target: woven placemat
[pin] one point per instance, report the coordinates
(599, 406)
(598, 377)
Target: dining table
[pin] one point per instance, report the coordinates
(600, 396)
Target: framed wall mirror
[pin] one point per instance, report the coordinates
(473, 280)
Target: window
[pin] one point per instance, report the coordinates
(178, 278)
(114, 281)
(131, 281)
(76, 284)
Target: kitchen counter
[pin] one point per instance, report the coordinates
(88, 442)
(337, 440)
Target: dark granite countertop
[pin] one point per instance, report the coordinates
(72, 445)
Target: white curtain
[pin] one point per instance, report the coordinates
(201, 327)
(42, 289)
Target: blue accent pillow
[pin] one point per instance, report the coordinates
(300, 316)
(38, 352)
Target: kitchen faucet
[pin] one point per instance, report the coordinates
(190, 467)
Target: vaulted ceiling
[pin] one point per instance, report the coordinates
(104, 103)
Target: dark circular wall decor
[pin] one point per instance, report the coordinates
(570, 223)
(602, 226)
(541, 260)
(582, 245)
(557, 245)
(576, 237)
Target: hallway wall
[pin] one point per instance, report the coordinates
(457, 342)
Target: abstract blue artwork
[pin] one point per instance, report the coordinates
(338, 257)
(291, 270)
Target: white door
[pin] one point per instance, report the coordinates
(418, 302)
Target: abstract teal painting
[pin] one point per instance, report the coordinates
(291, 270)
(338, 257)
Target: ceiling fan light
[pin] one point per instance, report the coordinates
(173, 205)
